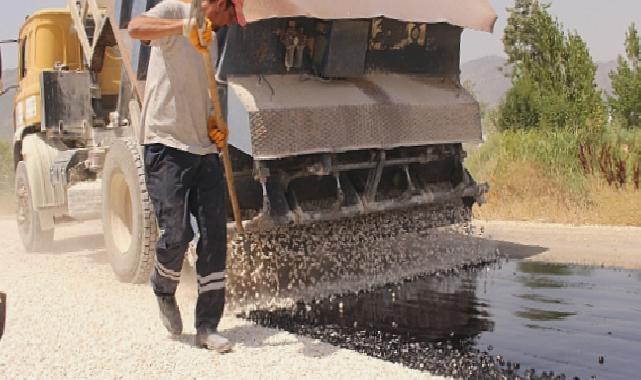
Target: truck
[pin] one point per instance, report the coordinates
(337, 111)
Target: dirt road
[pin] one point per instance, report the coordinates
(69, 317)
(586, 245)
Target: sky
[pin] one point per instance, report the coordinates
(602, 23)
(11, 19)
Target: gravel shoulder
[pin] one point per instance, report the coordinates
(69, 317)
(607, 246)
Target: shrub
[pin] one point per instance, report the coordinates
(6, 167)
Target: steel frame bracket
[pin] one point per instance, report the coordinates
(374, 178)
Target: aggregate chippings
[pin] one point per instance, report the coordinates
(292, 273)
(279, 283)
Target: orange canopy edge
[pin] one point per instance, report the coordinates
(472, 14)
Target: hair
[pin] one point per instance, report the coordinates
(228, 3)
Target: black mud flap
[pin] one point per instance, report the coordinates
(3, 312)
(66, 101)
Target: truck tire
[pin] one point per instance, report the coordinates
(34, 237)
(127, 216)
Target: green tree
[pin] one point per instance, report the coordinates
(625, 104)
(553, 74)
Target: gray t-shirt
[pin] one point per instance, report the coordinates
(177, 104)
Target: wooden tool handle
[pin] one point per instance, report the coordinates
(222, 124)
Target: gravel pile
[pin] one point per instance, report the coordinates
(69, 317)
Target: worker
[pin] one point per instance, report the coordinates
(183, 171)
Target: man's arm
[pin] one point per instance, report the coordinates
(146, 28)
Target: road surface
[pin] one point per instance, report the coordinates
(69, 317)
(618, 247)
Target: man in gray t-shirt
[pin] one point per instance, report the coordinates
(183, 172)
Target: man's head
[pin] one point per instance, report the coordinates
(224, 12)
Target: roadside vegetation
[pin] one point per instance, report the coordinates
(6, 179)
(557, 149)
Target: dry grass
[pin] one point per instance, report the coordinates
(543, 175)
(7, 202)
(523, 190)
(614, 206)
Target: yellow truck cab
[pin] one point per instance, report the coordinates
(46, 42)
(49, 42)
(59, 101)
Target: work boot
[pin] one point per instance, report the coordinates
(170, 314)
(208, 338)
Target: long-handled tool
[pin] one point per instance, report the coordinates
(198, 15)
(3, 312)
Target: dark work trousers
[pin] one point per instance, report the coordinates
(180, 184)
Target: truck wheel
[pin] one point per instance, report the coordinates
(127, 216)
(34, 238)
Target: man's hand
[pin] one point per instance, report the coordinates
(191, 32)
(217, 135)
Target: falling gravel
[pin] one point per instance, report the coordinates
(69, 318)
(305, 262)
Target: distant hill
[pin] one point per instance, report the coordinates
(491, 84)
(9, 77)
(603, 75)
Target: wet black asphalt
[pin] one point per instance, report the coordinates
(514, 320)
